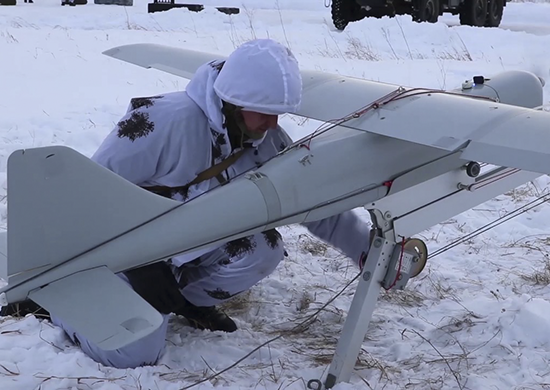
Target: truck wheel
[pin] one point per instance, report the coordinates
(345, 11)
(495, 8)
(426, 11)
(473, 13)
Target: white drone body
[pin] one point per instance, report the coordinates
(412, 157)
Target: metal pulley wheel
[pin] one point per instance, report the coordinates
(419, 247)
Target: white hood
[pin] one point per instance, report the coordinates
(260, 75)
(201, 90)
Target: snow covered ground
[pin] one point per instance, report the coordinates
(476, 318)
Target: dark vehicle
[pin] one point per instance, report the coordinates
(477, 13)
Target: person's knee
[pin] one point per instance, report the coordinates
(270, 254)
(142, 352)
(147, 355)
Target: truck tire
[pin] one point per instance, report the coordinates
(345, 11)
(426, 11)
(473, 13)
(495, 8)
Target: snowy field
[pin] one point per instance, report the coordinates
(478, 317)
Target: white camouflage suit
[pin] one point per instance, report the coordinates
(169, 139)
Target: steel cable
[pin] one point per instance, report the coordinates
(534, 203)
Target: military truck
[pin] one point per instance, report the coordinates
(480, 13)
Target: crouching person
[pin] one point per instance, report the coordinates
(226, 118)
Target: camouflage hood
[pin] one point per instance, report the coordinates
(200, 89)
(261, 76)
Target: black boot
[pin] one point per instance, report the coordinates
(210, 318)
(21, 309)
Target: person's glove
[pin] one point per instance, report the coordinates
(157, 285)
